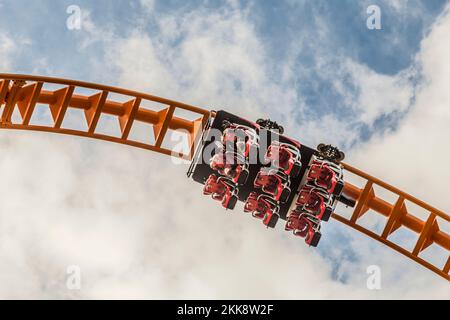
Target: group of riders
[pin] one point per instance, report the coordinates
(271, 187)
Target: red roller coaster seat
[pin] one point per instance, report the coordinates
(240, 138)
(322, 175)
(305, 226)
(262, 207)
(229, 166)
(273, 183)
(316, 202)
(285, 157)
(222, 190)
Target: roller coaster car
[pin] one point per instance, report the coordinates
(221, 189)
(230, 165)
(305, 226)
(326, 175)
(284, 156)
(262, 207)
(240, 138)
(275, 183)
(316, 202)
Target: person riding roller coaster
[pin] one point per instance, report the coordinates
(221, 189)
(285, 157)
(330, 153)
(326, 175)
(316, 202)
(230, 165)
(239, 138)
(275, 183)
(304, 225)
(262, 207)
(270, 125)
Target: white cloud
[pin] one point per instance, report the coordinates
(148, 5)
(423, 135)
(379, 94)
(7, 48)
(365, 96)
(202, 57)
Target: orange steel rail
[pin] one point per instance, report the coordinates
(397, 216)
(27, 93)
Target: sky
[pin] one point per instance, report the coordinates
(131, 222)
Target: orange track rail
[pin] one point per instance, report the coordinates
(398, 216)
(27, 93)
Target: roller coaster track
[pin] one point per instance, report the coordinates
(25, 94)
(28, 92)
